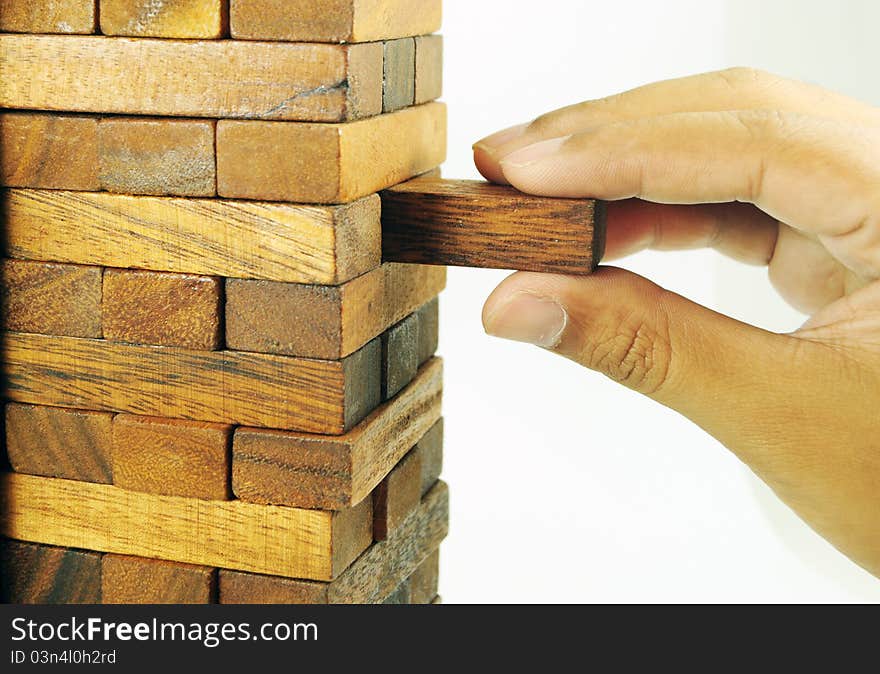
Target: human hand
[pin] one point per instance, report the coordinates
(768, 171)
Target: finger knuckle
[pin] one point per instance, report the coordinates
(740, 78)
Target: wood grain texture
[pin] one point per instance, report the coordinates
(47, 16)
(399, 90)
(237, 239)
(147, 307)
(401, 595)
(476, 224)
(309, 544)
(183, 19)
(139, 580)
(429, 68)
(171, 457)
(333, 20)
(397, 496)
(208, 78)
(425, 580)
(50, 151)
(326, 163)
(312, 471)
(400, 356)
(325, 322)
(429, 329)
(157, 156)
(370, 580)
(52, 299)
(58, 442)
(430, 452)
(42, 574)
(315, 396)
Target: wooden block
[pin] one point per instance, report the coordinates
(425, 580)
(147, 307)
(139, 580)
(157, 156)
(437, 600)
(402, 594)
(477, 224)
(291, 542)
(172, 457)
(430, 452)
(321, 321)
(210, 78)
(397, 496)
(325, 163)
(239, 239)
(399, 90)
(184, 19)
(51, 151)
(332, 20)
(429, 329)
(400, 356)
(47, 16)
(40, 574)
(52, 299)
(429, 68)
(58, 442)
(314, 396)
(311, 471)
(371, 579)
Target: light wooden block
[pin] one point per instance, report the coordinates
(50, 151)
(59, 442)
(172, 457)
(325, 322)
(146, 307)
(328, 163)
(47, 16)
(312, 471)
(51, 299)
(399, 90)
(324, 245)
(425, 580)
(315, 396)
(291, 542)
(208, 78)
(183, 19)
(333, 20)
(139, 580)
(42, 574)
(429, 68)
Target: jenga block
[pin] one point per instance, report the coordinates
(138, 580)
(429, 329)
(210, 78)
(51, 151)
(371, 579)
(57, 442)
(52, 299)
(332, 20)
(437, 600)
(400, 74)
(429, 68)
(311, 471)
(147, 307)
(239, 239)
(425, 580)
(402, 594)
(321, 321)
(315, 396)
(400, 356)
(325, 163)
(47, 16)
(430, 452)
(477, 224)
(184, 19)
(309, 544)
(40, 574)
(153, 156)
(397, 496)
(172, 457)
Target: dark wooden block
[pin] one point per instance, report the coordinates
(139, 580)
(429, 329)
(425, 580)
(402, 594)
(400, 356)
(44, 574)
(397, 496)
(430, 451)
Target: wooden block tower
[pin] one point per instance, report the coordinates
(215, 389)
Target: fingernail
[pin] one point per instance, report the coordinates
(491, 143)
(528, 318)
(534, 153)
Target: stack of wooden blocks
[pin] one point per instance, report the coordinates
(216, 390)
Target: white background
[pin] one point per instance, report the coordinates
(565, 487)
